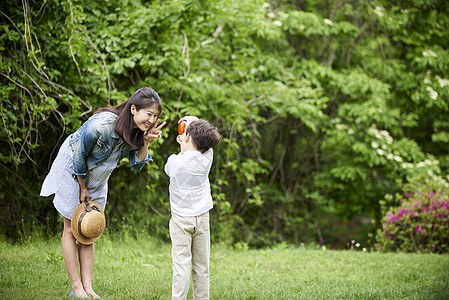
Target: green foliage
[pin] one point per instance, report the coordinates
(420, 222)
(322, 106)
(51, 78)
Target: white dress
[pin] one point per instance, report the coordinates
(60, 181)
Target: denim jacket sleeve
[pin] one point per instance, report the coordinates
(94, 142)
(87, 136)
(134, 161)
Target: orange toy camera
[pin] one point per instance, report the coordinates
(182, 127)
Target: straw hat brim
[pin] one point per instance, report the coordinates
(74, 223)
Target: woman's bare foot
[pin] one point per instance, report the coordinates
(80, 293)
(92, 294)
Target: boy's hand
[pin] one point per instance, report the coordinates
(188, 119)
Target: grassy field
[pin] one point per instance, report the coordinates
(128, 268)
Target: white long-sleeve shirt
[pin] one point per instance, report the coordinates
(189, 182)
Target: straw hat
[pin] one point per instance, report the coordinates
(88, 222)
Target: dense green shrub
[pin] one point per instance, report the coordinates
(322, 105)
(421, 222)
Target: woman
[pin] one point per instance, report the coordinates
(84, 163)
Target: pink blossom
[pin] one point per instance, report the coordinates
(418, 229)
(431, 193)
(406, 195)
(391, 218)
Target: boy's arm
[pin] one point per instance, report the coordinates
(209, 153)
(168, 165)
(207, 158)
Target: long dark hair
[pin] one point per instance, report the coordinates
(124, 124)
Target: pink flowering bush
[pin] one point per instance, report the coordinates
(421, 221)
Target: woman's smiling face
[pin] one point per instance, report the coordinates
(145, 117)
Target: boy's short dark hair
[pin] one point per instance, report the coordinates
(204, 135)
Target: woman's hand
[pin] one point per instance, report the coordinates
(84, 193)
(154, 132)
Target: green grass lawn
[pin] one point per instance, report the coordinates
(127, 268)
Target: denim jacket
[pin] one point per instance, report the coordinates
(94, 141)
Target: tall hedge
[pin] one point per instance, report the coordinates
(323, 106)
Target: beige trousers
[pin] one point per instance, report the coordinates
(190, 237)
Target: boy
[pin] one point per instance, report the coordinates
(190, 202)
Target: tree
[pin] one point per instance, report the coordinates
(323, 105)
